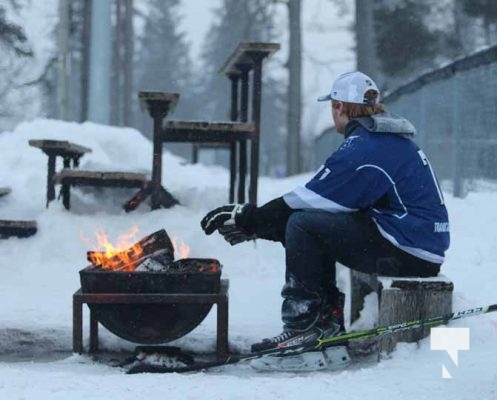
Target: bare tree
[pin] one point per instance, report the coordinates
(63, 60)
(294, 114)
(15, 50)
(85, 59)
(365, 39)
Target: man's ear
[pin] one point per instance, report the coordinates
(338, 106)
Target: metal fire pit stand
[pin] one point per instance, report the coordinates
(220, 299)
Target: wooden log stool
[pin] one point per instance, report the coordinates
(401, 299)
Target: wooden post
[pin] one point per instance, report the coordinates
(243, 144)
(256, 119)
(50, 182)
(233, 147)
(77, 323)
(157, 158)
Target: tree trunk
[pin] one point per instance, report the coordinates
(294, 163)
(128, 63)
(63, 64)
(100, 62)
(365, 40)
(85, 59)
(115, 90)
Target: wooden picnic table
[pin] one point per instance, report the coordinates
(247, 58)
(58, 148)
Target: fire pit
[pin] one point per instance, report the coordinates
(151, 306)
(153, 323)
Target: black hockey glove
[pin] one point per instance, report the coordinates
(234, 235)
(231, 221)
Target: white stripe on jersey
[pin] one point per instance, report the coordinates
(304, 198)
(394, 188)
(414, 251)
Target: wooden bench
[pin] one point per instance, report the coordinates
(401, 299)
(4, 191)
(243, 67)
(19, 229)
(72, 177)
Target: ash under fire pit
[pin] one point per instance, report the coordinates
(151, 306)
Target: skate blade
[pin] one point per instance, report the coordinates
(331, 359)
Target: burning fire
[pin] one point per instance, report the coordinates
(126, 254)
(183, 250)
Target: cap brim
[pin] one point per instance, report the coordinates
(325, 98)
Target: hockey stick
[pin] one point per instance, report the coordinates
(404, 326)
(323, 343)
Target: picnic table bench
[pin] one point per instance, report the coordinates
(58, 148)
(68, 177)
(71, 177)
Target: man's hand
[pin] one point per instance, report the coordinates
(234, 235)
(230, 221)
(224, 216)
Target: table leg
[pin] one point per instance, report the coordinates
(233, 158)
(242, 173)
(50, 175)
(222, 328)
(77, 325)
(93, 333)
(66, 195)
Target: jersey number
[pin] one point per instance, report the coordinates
(427, 164)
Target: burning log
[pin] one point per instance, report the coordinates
(156, 246)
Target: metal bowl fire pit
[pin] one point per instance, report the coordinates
(153, 323)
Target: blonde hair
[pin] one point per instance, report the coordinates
(355, 110)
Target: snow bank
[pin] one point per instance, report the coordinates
(40, 274)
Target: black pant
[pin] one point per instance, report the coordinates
(316, 240)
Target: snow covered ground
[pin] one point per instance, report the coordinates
(38, 276)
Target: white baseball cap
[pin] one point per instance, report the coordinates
(351, 87)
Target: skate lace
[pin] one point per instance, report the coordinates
(282, 337)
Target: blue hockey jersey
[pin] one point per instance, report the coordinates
(380, 170)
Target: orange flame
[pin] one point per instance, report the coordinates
(183, 250)
(126, 254)
(120, 256)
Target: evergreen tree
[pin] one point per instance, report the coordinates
(404, 42)
(243, 21)
(12, 37)
(14, 48)
(163, 62)
(487, 11)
